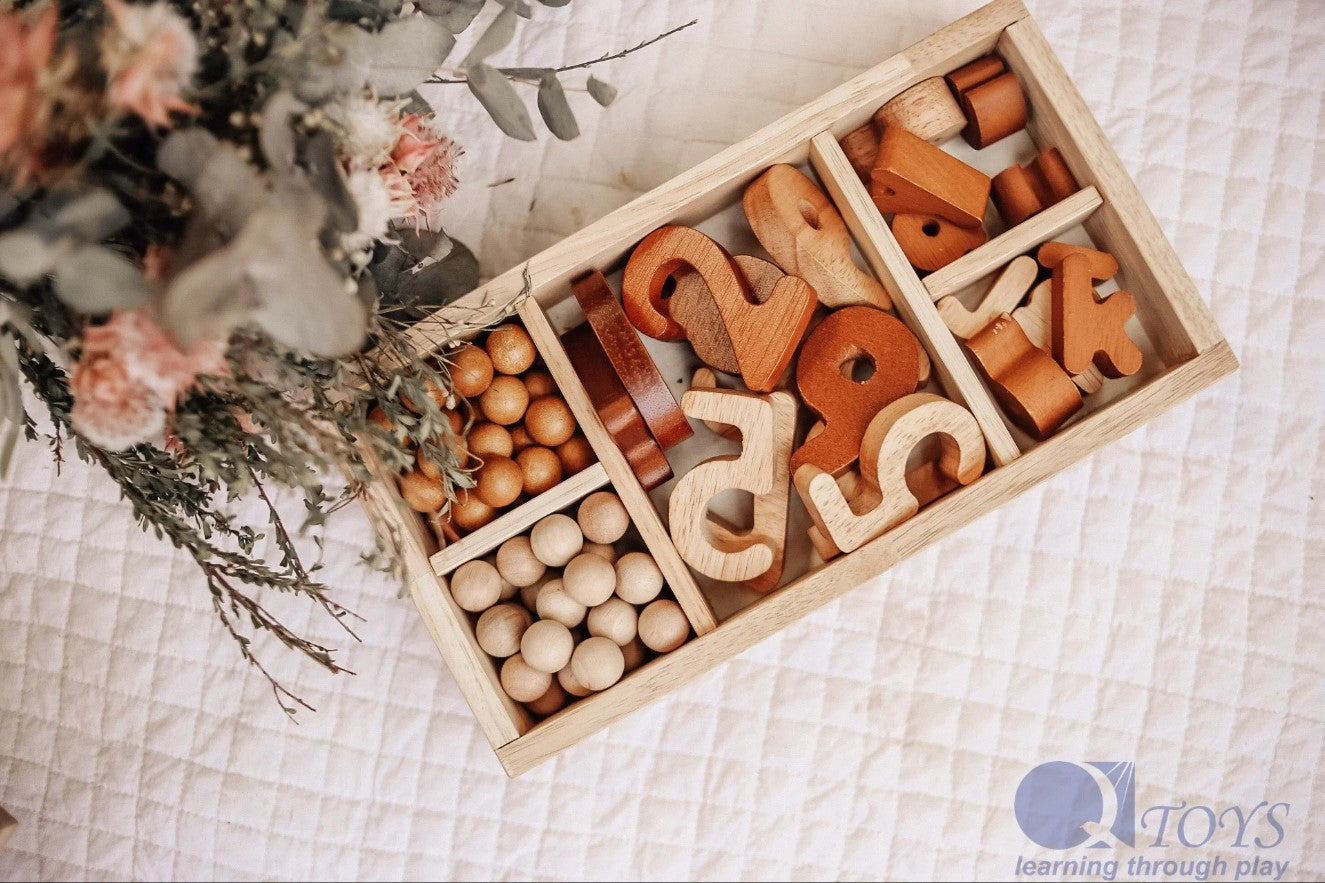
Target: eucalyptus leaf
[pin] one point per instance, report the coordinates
(277, 136)
(11, 401)
(603, 93)
(26, 255)
(498, 98)
(555, 4)
(555, 109)
(95, 280)
(225, 188)
(403, 54)
(494, 39)
(454, 15)
(317, 155)
(528, 73)
(91, 217)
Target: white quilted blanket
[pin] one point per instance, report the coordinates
(1160, 603)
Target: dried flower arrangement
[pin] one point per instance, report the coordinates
(209, 211)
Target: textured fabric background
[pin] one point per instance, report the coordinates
(1161, 602)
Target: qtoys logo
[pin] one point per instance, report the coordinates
(1092, 806)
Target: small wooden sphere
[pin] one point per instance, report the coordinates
(663, 626)
(553, 603)
(566, 678)
(638, 579)
(520, 438)
(421, 493)
(556, 539)
(539, 383)
(468, 512)
(597, 663)
(547, 645)
(614, 619)
(511, 349)
(500, 629)
(521, 681)
(489, 440)
(471, 371)
(426, 466)
(505, 400)
(508, 591)
(602, 517)
(576, 455)
(475, 586)
(529, 594)
(635, 653)
(589, 579)
(378, 418)
(500, 482)
(453, 418)
(541, 468)
(551, 702)
(606, 551)
(517, 564)
(550, 421)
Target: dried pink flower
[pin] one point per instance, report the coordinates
(24, 113)
(150, 56)
(426, 160)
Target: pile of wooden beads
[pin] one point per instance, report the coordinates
(564, 611)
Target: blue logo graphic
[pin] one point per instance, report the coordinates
(1062, 805)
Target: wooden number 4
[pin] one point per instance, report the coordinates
(754, 557)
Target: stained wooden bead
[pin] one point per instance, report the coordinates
(500, 481)
(426, 465)
(488, 440)
(521, 681)
(575, 455)
(566, 678)
(505, 400)
(547, 645)
(475, 586)
(663, 626)
(468, 512)
(500, 629)
(539, 384)
(520, 438)
(589, 579)
(553, 603)
(549, 421)
(517, 563)
(541, 468)
(421, 493)
(614, 619)
(456, 422)
(638, 579)
(634, 653)
(597, 663)
(603, 518)
(550, 702)
(471, 371)
(606, 551)
(511, 349)
(556, 539)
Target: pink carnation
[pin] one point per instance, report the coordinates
(150, 57)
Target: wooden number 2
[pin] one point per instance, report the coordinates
(754, 557)
(888, 442)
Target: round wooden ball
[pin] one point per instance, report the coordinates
(421, 493)
(635, 653)
(489, 440)
(471, 371)
(539, 383)
(468, 512)
(663, 626)
(606, 551)
(378, 418)
(476, 586)
(566, 678)
(520, 438)
(518, 564)
(553, 603)
(602, 517)
(556, 539)
(614, 619)
(505, 400)
(541, 468)
(529, 593)
(547, 645)
(550, 421)
(454, 420)
(597, 663)
(638, 579)
(589, 579)
(576, 455)
(426, 465)
(521, 681)
(511, 349)
(551, 702)
(508, 591)
(500, 629)
(499, 482)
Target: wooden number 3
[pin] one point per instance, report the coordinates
(887, 444)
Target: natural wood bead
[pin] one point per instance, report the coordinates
(614, 619)
(421, 493)
(861, 145)
(476, 586)
(930, 243)
(508, 590)
(471, 371)
(994, 110)
(606, 551)
(541, 468)
(468, 512)
(489, 440)
(550, 421)
(500, 629)
(556, 539)
(547, 645)
(505, 400)
(663, 626)
(500, 481)
(638, 579)
(589, 579)
(971, 75)
(634, 654)
(575, 455)
(517, 562)
(550, 702)
(521, 681)
(597, 663)
(553, 603)
(603, 518)
(511, 349)
(529, 594)
(566, 678)
(539, 383)
(1036, 393)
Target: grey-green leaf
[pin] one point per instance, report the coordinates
(555, 109)
(404, 53)
(276, 136)
(91, 217)
(26, 255)
(11, 400)
(603, 93)
(520, 6)
(555, 4)
(95, 280)
(454, 15)
(498, 98)
(494, 39)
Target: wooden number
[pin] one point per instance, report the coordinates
(1028, 383)
(708, 335)
(665, 252)
(912, 176)
(887, 445)
(1006, 292)
(767, 424)
(1034, 320)
(807, 237)
(1085, 330)
(846, 405)
(1021, 191)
